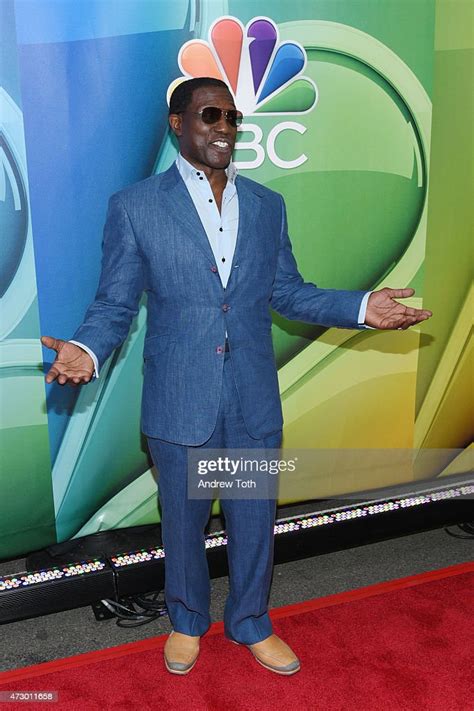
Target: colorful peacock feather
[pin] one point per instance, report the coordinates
(264, 75)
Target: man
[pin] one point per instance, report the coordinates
(212, 251)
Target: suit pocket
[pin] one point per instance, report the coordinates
(154, 345)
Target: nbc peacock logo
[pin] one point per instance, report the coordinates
(264, 75)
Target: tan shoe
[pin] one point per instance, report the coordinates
(274, 654)
(181, 652)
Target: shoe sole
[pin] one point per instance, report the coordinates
(273, 669)
(180, 672)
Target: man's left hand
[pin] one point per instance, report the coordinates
(386, 313)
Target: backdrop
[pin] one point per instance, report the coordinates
(355, 111)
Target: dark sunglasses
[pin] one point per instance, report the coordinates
(211, 114)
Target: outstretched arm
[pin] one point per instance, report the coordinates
(303, 301)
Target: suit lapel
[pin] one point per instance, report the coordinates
(184, 211)
(249, 208)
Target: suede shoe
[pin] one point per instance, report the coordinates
(274, 654)
(181, 652)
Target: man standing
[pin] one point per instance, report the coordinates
(212, 251)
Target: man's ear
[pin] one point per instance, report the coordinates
(175, 123)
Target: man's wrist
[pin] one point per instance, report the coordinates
(92, 355)
(363, 311)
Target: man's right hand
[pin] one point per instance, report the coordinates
(72, 365)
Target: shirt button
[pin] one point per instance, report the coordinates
(221, 229)
(223, 259)
(225, 307)
(198, 173)
(219, 349)
(213, 268)
(210, 200)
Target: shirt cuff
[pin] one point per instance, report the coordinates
(363, 312)
(92, 355)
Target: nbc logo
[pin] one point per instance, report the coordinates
(264, 76)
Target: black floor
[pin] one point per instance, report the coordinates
(73, 632)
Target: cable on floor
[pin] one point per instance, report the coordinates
(137, 610)
(468, 529)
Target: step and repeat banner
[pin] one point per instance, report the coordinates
(348, 110)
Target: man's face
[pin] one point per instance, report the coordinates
(206, 145)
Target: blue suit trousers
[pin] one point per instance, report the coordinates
(249, 526)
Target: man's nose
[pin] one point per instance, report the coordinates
(222, 125)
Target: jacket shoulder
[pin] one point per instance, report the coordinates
(143, 188)
(258, 188)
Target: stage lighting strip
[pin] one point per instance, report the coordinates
(143, 556)
(218, 539)
(371, 509)
(42, 576)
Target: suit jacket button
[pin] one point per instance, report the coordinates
(219, 349)
(214, 268)
(225, 307)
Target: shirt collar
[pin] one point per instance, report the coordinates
(188, 171)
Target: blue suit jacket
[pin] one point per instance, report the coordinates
(154, 241)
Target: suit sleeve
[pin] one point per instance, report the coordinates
(298, 300)
(108, 318)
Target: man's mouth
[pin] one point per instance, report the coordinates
(222, 145)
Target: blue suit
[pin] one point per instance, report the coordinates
(154, 241)
(194, 393)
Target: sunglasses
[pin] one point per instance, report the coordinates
(212, 114)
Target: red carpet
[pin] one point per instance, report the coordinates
(405, 645)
